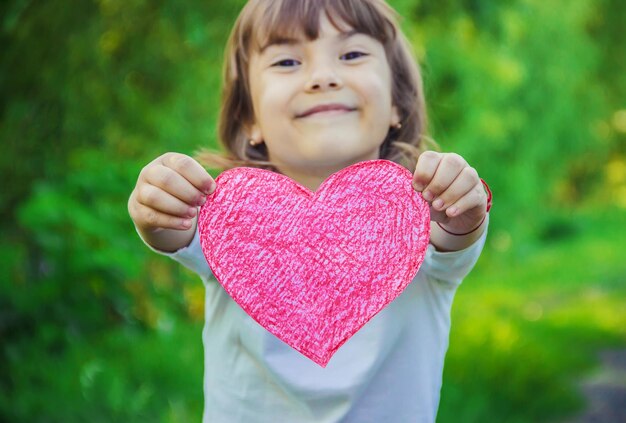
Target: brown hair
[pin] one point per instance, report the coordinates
(264, 21)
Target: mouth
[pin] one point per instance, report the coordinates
(327, 110)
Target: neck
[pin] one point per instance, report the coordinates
(312, 177)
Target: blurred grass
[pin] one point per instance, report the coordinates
(528, 325)
(128, 375)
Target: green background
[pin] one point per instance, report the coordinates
(94, 327)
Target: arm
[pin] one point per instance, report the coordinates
(458, 201)
(164, 204)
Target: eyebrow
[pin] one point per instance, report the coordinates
(291, 41)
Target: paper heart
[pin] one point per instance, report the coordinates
(314, 267)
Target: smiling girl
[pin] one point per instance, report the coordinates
(310, 87)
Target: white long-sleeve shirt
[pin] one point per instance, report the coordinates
(389, 371)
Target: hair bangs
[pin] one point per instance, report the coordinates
(300, 19)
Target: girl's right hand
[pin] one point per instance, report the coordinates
(164, 204)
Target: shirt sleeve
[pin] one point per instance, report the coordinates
(190, 256)
(450, 268)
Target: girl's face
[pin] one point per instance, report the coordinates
(322, 104)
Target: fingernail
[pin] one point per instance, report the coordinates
(201, 200)
(191, 212)
(428, 196)
(452, 211)
(438, 203)
(209, 188)
(186, 223)
(417, 186)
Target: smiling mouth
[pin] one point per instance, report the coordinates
(327, 110)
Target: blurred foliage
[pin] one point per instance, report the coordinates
(526, 332)
(93, 326)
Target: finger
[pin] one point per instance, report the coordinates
(474, 199)
(438, 216)
(191, 170)
(173, 183)
(425, 169)
(448, 170)
(159, 200)
(464, 182)
(150, 218)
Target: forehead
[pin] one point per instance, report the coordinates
(300, 20)
(327, 29)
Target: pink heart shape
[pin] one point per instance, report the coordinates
(313, 268)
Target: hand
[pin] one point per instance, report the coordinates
(168, 192)
(454, 190)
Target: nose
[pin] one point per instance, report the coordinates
(323, 77)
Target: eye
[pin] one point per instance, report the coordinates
(353, 55)
(286, 63)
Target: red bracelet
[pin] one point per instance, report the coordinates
(489, 194)
(489, 204)
(466, 233)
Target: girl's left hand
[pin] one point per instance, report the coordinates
(458, 201)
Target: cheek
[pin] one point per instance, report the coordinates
(376, 89)
(265, 98)
(272, 107)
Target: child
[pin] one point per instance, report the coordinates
(313, 86)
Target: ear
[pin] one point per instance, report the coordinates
(255, 135)
(395, 117)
